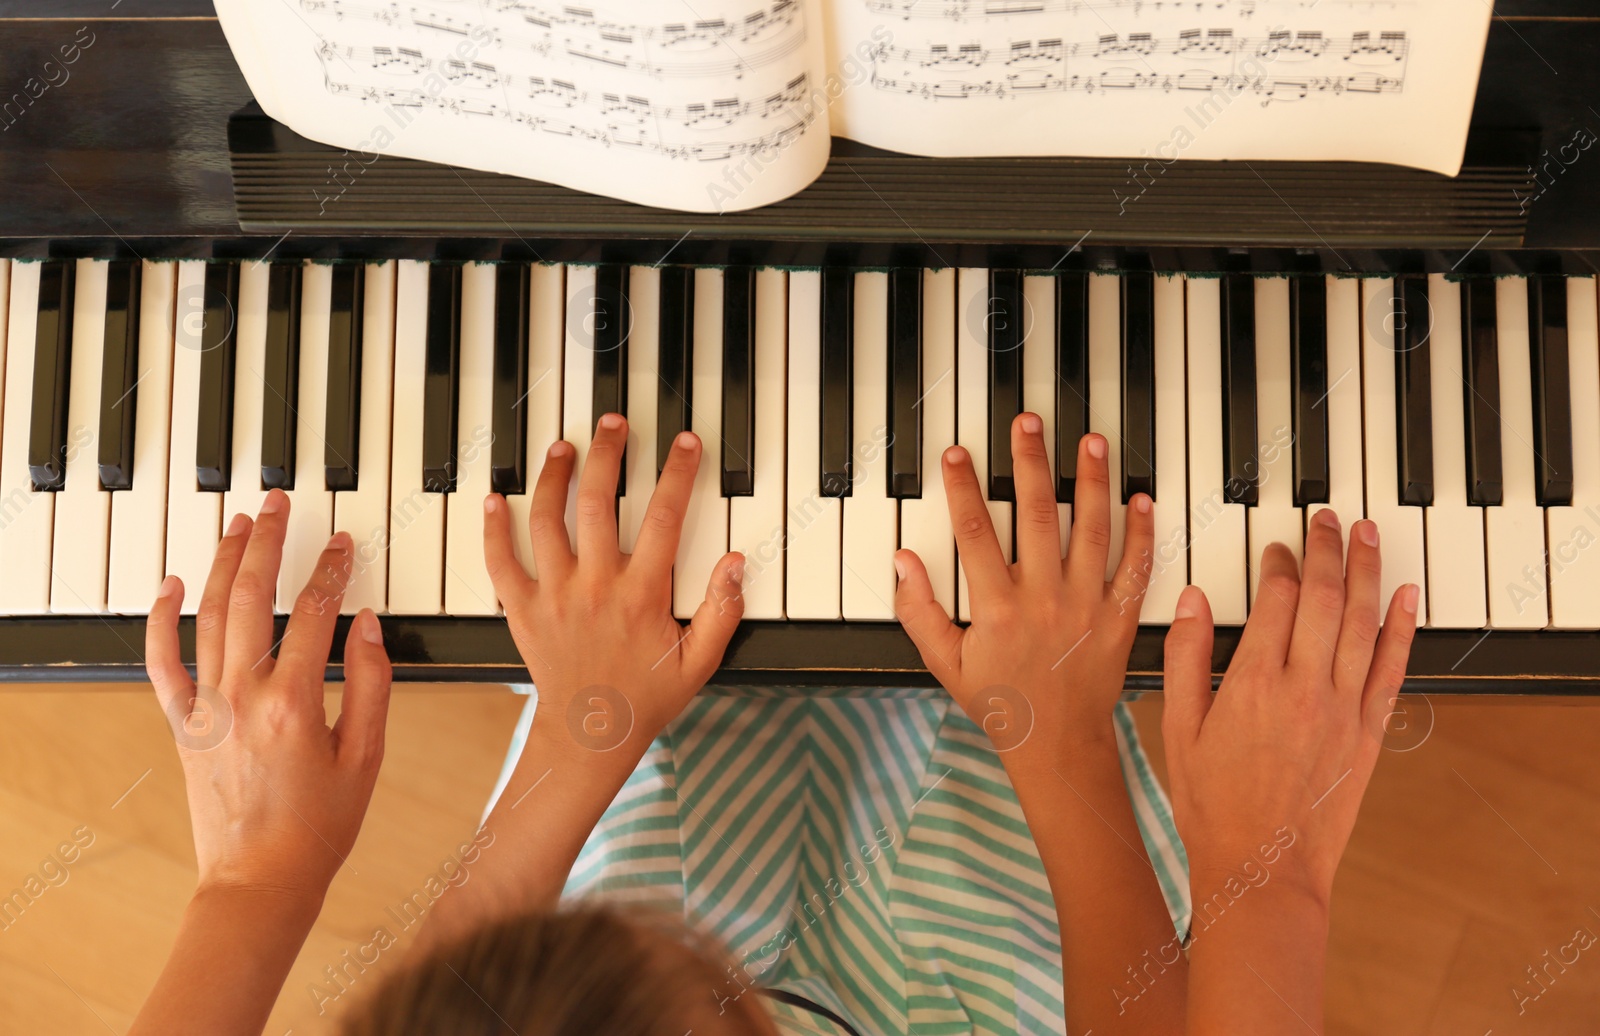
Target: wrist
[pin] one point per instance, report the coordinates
(284, 908)
(1272, 868)
(1063, 746)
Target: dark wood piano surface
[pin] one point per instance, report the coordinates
(130, 155)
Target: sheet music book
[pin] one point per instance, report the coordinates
(730, 104)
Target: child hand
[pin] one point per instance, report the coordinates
(1044, 659)
(276, 797)
(1291, 738)
(596, 630)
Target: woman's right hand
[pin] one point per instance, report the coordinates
(1285, 749)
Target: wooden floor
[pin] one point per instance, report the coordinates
(1477, 854)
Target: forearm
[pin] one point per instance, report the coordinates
(233, 951)
(556, 795)
(1123, 970)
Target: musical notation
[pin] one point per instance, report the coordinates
(1265, 87)
(966, 10)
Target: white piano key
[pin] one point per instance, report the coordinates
(310, 502)
(1514, 531)
(364, 511)
(871, 515)
(82, 540)
(644, 388)
(1574, 532)
(1105, 395)
(705, 524)
(139, 515)
(1456, 587)
(1169, 566)
(577, 387)
(194, 519)
(1217, 547)
(1346, 463)
(813, 522)
(467, 590)
(244, 495)
(1400, 529)
(29, 517)
(972, 408)
(756, 522)
(416, 518)
(1039, 375)
(925, 521)
(546, 336)
(1275, 518)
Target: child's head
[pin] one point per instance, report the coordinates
(574, 972)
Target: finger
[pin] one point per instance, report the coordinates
(1316, 634)
(309, 636)
(1132, 578)
(716, 619)
(510, 579)
(1038, 523)
(596, 513)
(1388, 670)
(1358, 629)
(547, 514)
(979, 550)
(1186, 671)
(211, 618)
(358, 733)
(163, 658)
(255, 587)
(1271, 622)
(1091, 519)
(657, 546)
(924, 618)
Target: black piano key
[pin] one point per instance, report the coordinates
(1308, 362)
(440, 379)
(1072, 378)
(213, 460)
(280, 392)
(341, 451)
(738, 381)
(52, 371)
(1413, 391)
(1138, 385)
(610, 394)
(1240, 469)
(838, 358)
(675, 366)
(905, 383)
(508, 452)
(1480, 365)
(119, 374)
(1552, 391)
(1005, 376)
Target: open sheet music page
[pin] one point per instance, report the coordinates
(1361, 80)
(704, 107)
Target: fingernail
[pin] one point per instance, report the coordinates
(274, 502)
(1188, 603)
(169, 585)
(559, 448)
(371, 629)
(954, 455)
(1031, 424)
(1328, 518)
(339, 541)
(1097, 447)
(899, 568)
(1409, 595)
(611, 422)
(736, 572)
(684, 441)
(490, 503)
(1141, 503)
(240, 523)
(1367, 530)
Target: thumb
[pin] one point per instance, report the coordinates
(716, 618)
(926, 622)
(367, 676)
(1186, 679)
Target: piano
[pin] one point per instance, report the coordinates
(196, 306)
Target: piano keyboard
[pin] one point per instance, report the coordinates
(146, 402)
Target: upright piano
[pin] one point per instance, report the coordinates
(197, 305)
